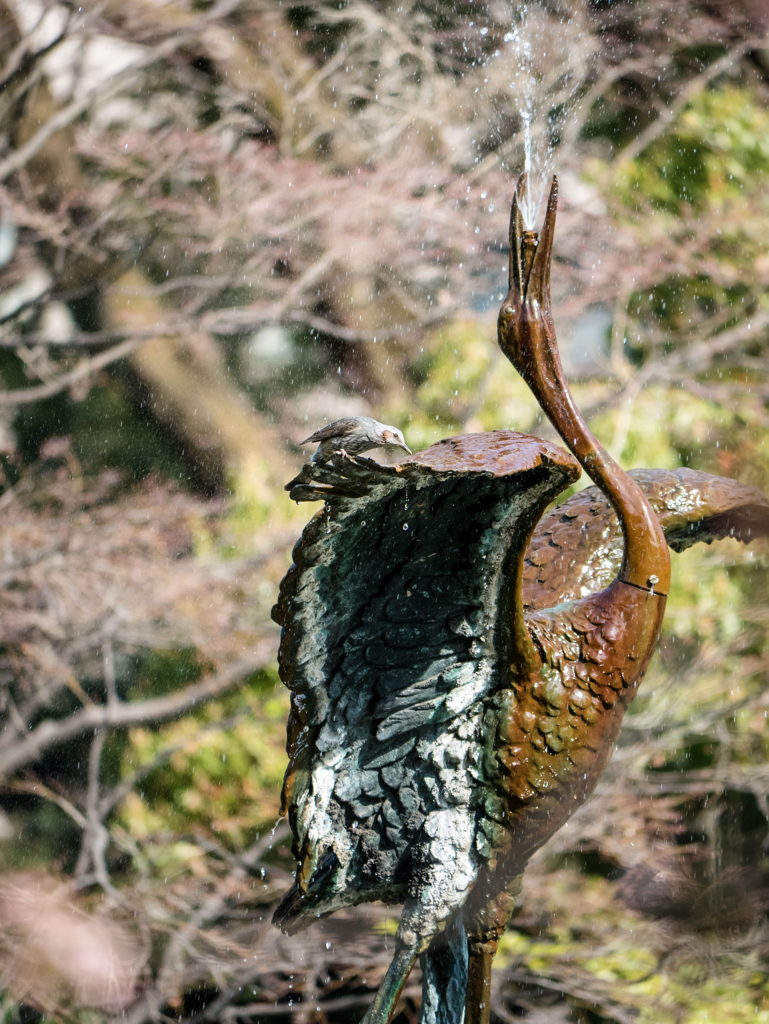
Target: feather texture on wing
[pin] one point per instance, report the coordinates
(576, 548)
(336, 429)
(393, 637)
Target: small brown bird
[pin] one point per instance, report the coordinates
(353, 436)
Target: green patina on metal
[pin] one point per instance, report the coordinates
(461, 660)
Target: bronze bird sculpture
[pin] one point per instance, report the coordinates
(354, 435)
(458, 675)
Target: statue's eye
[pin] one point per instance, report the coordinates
(507, 312)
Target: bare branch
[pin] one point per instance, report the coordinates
(693, 86)
(51, 733)
(218, 322)
(38, 789)
(88, 338)
(23, 396)
(95, 835)
(20, 54)
(109, 673)
(211, 907)
(257, 1010)
(64, 117)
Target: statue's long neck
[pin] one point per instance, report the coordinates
(646, 561)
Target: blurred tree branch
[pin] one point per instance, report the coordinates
(667, 114)
(50, 733)
(84, 368)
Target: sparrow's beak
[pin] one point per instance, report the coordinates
(404, 446)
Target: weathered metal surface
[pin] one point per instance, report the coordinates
(499, 452)
(394, 618)
(576, 548)
(526, 335)
(440, 731)
(588, 657)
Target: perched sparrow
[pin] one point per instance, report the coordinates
(353, 436)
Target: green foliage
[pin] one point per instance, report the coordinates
(715, 154)
(467, 386)
(593, 945)
(695, 197)
(157, 672)
(220, 775)
(108, 430)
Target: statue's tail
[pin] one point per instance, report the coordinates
(298, 909)
(288, 914)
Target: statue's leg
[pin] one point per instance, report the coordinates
(421, 922)
(383, 1007)
(444, 976)
(483, 934)
(443, 872)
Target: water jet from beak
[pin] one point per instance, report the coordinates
(529, 243)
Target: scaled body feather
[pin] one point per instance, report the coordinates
(576, 548)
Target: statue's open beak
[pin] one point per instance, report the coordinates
(530, 253)
(525, 326)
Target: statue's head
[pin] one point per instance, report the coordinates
(525, 314)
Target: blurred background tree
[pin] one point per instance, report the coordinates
(222, 224)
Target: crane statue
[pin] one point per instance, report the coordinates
(460, 661)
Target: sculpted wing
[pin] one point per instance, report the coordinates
(394, 633)
(577, 547)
